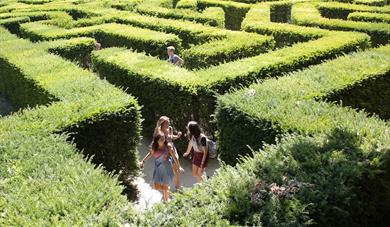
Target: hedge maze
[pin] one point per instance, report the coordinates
(296, 93)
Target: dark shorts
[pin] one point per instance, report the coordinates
(198, 156)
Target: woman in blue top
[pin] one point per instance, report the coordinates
(163, 173)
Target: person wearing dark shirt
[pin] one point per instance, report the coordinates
(174, 58)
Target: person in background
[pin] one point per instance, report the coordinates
(98, 46)
(173, 58)
(87, 58)
(197, 141)
(162, 174)
(164, 126)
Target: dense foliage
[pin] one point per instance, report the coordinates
(317, 91)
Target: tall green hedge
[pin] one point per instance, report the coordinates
(13, 23)
(146, 76)
(187, 4)
(236, 45)
(371, 2)
(342, 10)
(188, 32)
(274, 107)
(46, 179)
(186, 14)
(162, 88)
(152, 42)
(281, 12)
(234, 11)
(75, 49)
(306, 14)
(369, 17)
(258, 20)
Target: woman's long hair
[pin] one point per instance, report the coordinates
(156, 139)
(195, 130)
(160, 121)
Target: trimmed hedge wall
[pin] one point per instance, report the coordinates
(274, 107)
(307, 15)
(236, 45)
(281, 12)
(46, 180)
(369, 94)
(187, 4)
(152, 42)
(371, 2)
(188, 32)
(35, 1)
(163, 89)
(186, 14)
(217, 13)
(246, 71)
(370, 17)
(258, 20)
(341, 10)
(185, 95)
(234, 11)
(13, 23)
(75, 49)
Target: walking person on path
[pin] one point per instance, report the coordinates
(162, 174)
(164, 126)
(197, 141)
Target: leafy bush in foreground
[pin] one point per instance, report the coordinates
(326, 180)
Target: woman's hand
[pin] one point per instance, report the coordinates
(181, 170)
(186, 154)
(141, 164)
(179, 134)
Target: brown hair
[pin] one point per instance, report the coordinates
(156, 139)
(194, 129)
(160, 121)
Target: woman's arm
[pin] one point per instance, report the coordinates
(147, 156)
(204, 150)
(188, 149)
(172, 153)
(174, 137)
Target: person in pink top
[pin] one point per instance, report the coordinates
(162, 174)
(164, 125)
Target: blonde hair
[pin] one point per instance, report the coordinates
(160, 121)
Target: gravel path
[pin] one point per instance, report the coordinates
(148, 195)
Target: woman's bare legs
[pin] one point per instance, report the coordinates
(166, 192)
(176, 171)
(195, 172)
(200, 173)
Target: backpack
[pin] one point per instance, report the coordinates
(211, 147)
